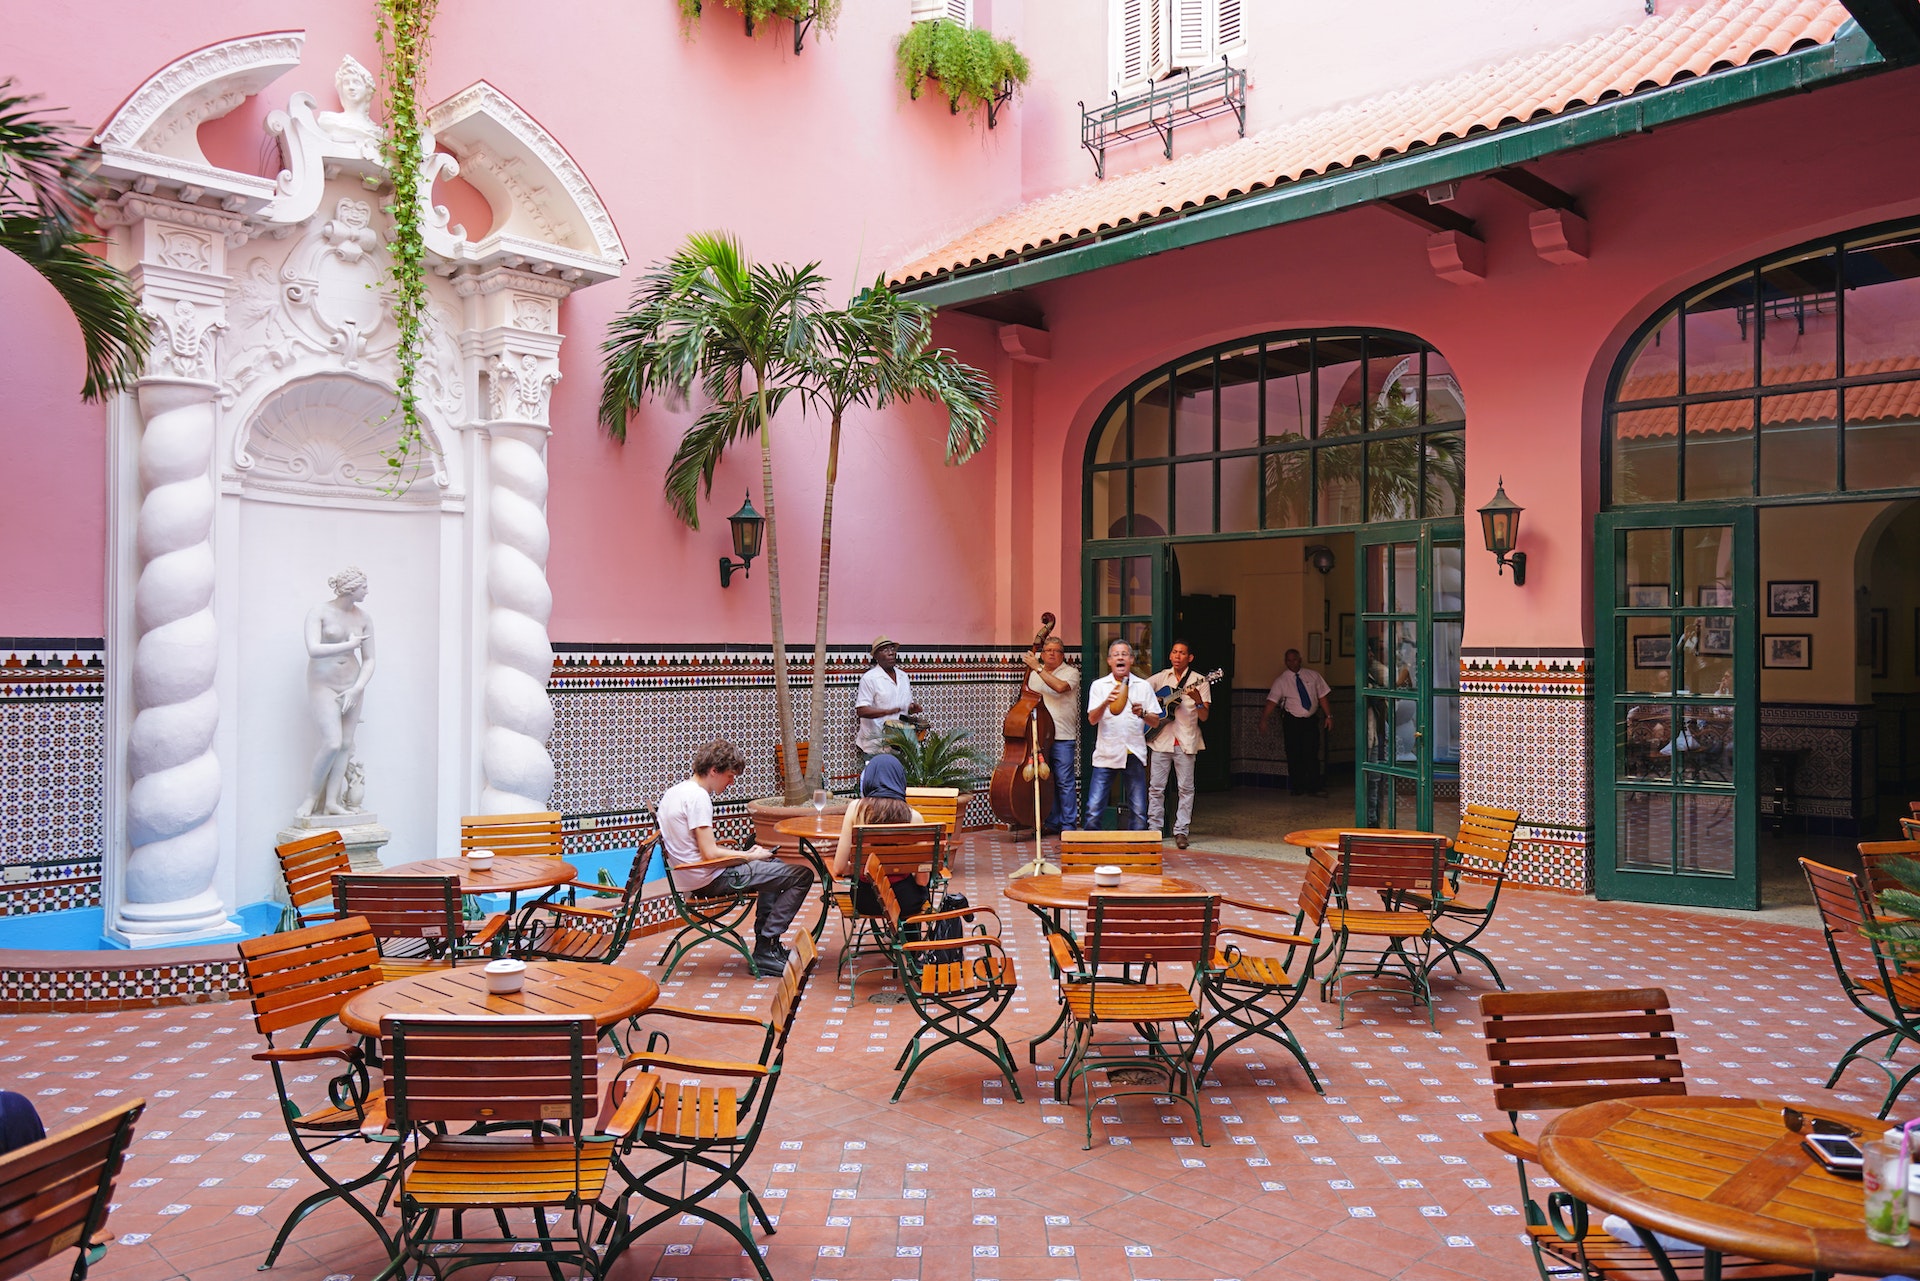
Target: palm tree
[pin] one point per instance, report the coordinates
(876, 352)
(44, 207)
(747, 334)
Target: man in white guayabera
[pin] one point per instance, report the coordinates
(339, 637)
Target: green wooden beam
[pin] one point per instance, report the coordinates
(1892, 25)
(1849, 54)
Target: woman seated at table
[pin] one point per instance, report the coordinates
(883, 800)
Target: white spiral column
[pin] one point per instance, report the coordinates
(173, 775)
(519, 714)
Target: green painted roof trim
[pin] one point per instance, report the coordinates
(1850, 53)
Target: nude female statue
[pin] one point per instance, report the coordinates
(339, 637)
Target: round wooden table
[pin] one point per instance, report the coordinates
(610, 993)
(819, 827)
(1070, 891)
(1726, 1173)
(500, 875)
(1328, 838)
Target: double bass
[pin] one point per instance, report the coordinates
(1028, 734)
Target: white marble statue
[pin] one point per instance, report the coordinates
(339, 635)
(354, 121)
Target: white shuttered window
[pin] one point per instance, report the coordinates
(959, 12)
(1151, 38)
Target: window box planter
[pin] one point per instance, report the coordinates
(974, 68)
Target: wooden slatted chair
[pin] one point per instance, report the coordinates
(1873, 854)
(701, 1131)
(55, 1194)
(301, 980)
(1398, 867)
(708, 914)
(417, 919)
(1871, 978)
(1149, 931)
(1910, 829)
(956, 1000)
(553, 931)
(1252, 994)
(1129, 851)
(1555, 1050)
(1480, 854)
(534, 835)
(938, 805)
(308, 866)
(479, 1073)
(903, 849)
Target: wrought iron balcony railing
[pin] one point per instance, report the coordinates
(1191, 96)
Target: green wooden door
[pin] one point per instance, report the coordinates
(1677, 679)
(1407, 670)
(1129, 588)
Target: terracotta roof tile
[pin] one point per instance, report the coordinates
(1690, 41)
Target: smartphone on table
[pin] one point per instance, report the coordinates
(1837, 1153)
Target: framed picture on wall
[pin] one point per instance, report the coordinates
(1316, 647)
(1793, 650)
(1652, 651)
(1877, 624)
(1716, 637)
(1716, 595)
(1346, 635)
(1793, 600)
(1647, 595)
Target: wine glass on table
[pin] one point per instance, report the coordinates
(819, 803)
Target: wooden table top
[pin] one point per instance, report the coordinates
(813, 827)
(500, 876)
(609, 993)
(1726, 1173)
(1328, 838)
(1071, 890)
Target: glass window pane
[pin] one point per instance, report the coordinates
(1289, 391)
(1342, 385)
(1443, 740)
(1646, 456)
(1138, 634)
(1706, 655)
(1193, 498)
(1378, 677)
(1393, 478)
(1647, 578)
(1113, 436)
(1644, 822)
(1799, 443)
(1446, 654)
(1706, 560)
(1240, 493)
(1393, 382)
(1136, 588)
(1446, 481)
(1705, 829)
(1643, 733)
(1150, 420)
(1883, 304)
(1406, 578)
(1653, 372)
(1449, 578)
(1380, 729)
(1339, 467)
(1108, 575)
(1883, 435)
(1289, 482)
(1646, 655)
(1193, 408)
(1109, 499)
(1149, 502)
(1720, 338)
(1719, 449)
(1445, 404)
(1376, 559)
(1382, 794)
(1704, 744)
(1799, 319)
(1240, 398)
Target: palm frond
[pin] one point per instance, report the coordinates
(101, 299)
(942, 760)
(690, 470)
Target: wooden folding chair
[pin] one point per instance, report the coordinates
(1251, 994)
(956, 1000)
(1874, 855)
(1554, 1050)
(302, 979)
(1396, 867)
(479, 1073)
(1148, 931)
(708, 914)
(938, 805)
(55, 1194)
(308, 866)
(1910, 829)
(552, 931)
(418, 921)
(1872, 976)
(903, 849)
(535, 835)
(1081, 852)
(1480, 852)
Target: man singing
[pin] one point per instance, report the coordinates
(1120, 747)
(885, 695)
(1177, 740)
(1308, 704)
(1058, 684)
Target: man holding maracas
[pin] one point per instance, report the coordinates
(1122, 709)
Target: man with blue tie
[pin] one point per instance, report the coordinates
(1306, 704)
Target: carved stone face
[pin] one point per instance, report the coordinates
(354, 83)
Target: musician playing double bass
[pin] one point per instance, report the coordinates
(1058, 683)
(1178, 739)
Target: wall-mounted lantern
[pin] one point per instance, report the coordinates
(749, 527)
(1500, 521)
(1320, 556)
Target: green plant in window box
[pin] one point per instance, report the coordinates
(975, 68)
(803, 14)
(941, 759)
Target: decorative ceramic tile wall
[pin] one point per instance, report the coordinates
(1833, 763)
(1526, 744)
(117, 985)
(52, 772)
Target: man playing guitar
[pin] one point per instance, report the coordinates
(1188, 699)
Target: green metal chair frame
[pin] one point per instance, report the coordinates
(1866, 969)
(707, 916)
(900, 847)
(303, 978)
(418, 920)
(552, 931)
(1252, 995)
(55, 1194)
(1483, 850)
(1401, 869)
(957, 1002)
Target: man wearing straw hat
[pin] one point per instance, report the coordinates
(885, 695)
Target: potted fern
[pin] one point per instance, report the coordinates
(803, 14)
(974, 67)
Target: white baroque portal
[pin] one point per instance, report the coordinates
(248, 466)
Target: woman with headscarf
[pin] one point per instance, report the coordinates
(883, 799)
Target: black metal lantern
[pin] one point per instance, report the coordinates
(1320, 556)
(749, 527)
(1500, 521)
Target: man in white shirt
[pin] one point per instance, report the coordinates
(1178, 739)
(1306, 704)
(885, 695)
(1058, 685)
(1120, 745)
(685, 816)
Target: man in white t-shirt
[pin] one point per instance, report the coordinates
(1058, 684)
(685, 816)
(1305, 702)
(1120, 743)
(1178, 739)
(885, 695)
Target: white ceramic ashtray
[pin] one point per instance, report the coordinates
(505, 976)
(1106, 874)
(480, 860)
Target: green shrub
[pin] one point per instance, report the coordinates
(972, 66)
(756, 12)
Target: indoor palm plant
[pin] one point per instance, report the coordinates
(940, 759)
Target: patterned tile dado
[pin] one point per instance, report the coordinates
(113, 985)
(1534, 755)
(52, 765)
(1541, 677)
(1831, 748)
(1551, 858)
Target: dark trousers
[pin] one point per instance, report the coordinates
(1132, 780)
(1302, 737)
(1066, 791)
(782, 887)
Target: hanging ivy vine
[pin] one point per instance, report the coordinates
(403, 29)
(973, 67)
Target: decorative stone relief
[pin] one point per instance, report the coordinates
(182, 346)
(535, 314)
(520, 388)
(353, 123)
(186, 250)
